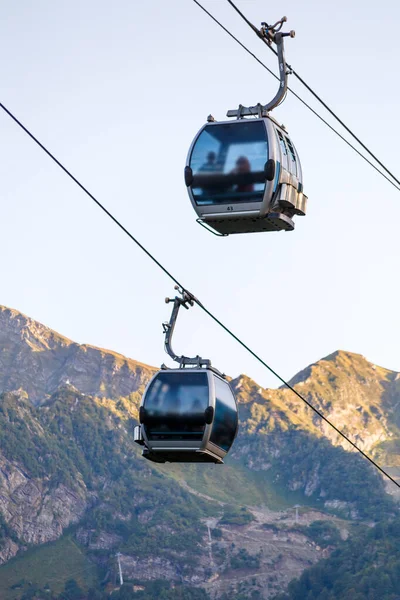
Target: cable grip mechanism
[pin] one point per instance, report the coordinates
(269, 32)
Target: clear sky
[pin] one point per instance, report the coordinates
(117, 91)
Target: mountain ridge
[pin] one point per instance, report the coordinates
(50, 360)
(44, 334)
(67, 459)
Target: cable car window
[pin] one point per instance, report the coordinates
(277, 173)
(282, 142)
(284, 151)
(175, 405)
(292, 155)
(225, 418)
(228, 161)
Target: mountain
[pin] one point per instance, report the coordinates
(39, 361)
(71, 476)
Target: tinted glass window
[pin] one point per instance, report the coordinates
(228, 161)
(284, 150)
(174, 406)
(277, 174)
(226, 418)
(292, 155)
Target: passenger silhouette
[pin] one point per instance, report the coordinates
(210, 165)
(197, 406)
(242, 168)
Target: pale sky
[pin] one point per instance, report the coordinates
(117, 91)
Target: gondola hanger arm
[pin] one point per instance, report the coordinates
(271, 34)
(185, 299)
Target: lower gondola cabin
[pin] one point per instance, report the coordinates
(187, 415)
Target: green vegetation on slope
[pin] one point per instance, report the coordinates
(303, 461)
(235, 483)
(51, 564)
(154, 590)
(323, 533)
(280, 458)
(160, 590)
(366, 567)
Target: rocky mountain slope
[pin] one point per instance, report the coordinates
(67, 459)
(38, 360)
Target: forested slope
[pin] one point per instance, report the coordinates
(367, 567)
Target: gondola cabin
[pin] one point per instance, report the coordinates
(187, 415)
(245, 176)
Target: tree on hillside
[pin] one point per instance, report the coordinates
(72, 591)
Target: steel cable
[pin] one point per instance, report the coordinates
(209, 313)
(316, 96)
(324, 121)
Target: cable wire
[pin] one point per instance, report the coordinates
(316, 96)
(209, 313)
(324, 121)
(103, 208)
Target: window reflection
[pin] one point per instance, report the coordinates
(225, 418)
(292, 156)
(228, 161)
(175, 405)
(282, 142)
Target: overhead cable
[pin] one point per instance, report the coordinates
(324, 121)
(209, 313)
(316, 96)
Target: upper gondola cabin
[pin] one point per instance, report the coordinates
(245, 176)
